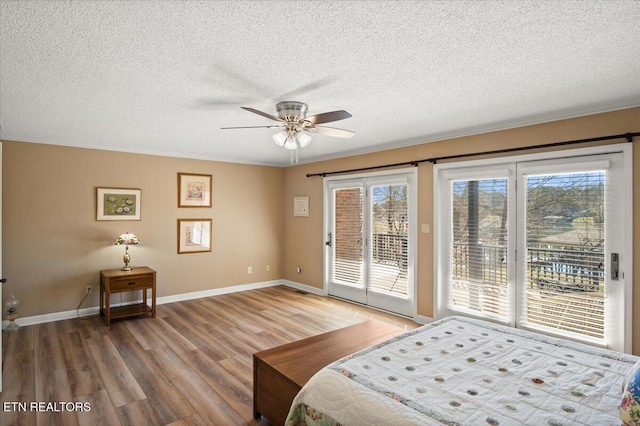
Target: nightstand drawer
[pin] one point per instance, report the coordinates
(133, 283)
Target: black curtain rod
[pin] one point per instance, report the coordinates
(628, 136)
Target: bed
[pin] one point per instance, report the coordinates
(461, 371)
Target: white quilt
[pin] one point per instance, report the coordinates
(460, 371)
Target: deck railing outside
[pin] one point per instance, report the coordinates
(561, 270)
(565, 287)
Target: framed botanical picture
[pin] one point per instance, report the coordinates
(194, 190)
(301, 206)
(194, 235)
(118, 204)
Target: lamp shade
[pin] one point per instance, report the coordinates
(280, 138)
(304, 139)
(127, 239)
(291, 143)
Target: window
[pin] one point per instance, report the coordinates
(478, 249)
(527, 241)
(565, 251)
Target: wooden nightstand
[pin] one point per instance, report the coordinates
(117, 281)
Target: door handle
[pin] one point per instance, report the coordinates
(330, 242)
(3, 280)
(614, 266)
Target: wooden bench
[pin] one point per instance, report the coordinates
(279, 373)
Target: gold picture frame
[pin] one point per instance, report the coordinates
(194, 235)
(194, 190)
(118, 203)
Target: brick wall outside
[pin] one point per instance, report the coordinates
(348, 224)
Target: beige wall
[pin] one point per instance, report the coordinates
(304, 239)
(53, 246)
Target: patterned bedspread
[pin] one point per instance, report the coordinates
(460, 371)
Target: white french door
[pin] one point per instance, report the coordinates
(539, 244)
(370, 228)
(571, 219)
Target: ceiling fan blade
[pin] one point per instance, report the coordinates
(332, 131)
(252, 127)
(326, 117)
(210, 103)
(295, 93)
(264, 114)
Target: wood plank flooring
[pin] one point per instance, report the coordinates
(191, 365)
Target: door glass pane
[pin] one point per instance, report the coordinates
(389, 239)
(478, 253)
(565, 234)
(348, 237)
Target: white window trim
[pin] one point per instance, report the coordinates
(625, 148)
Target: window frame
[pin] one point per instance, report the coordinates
(443, 224)
(441, 171)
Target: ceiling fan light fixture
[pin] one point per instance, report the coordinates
(303, 139)
(294, 124)
(291, 143)
(280, 138)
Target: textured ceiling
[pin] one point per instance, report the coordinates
(162, 77)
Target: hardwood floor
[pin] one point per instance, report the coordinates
(191, 365)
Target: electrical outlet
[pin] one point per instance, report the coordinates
(268, 268)
(88, 289)
(249, 270)
(299, 269)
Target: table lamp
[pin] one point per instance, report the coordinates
(127, 239)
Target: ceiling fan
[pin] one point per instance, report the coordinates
(292, 119)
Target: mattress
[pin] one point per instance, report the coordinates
(461, 371)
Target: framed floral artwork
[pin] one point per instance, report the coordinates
(194, 235)
(194, 190)
(118, 204)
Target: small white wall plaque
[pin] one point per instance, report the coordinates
(301, 206)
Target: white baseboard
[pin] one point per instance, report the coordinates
(55, 316)
(421, 319)
(94, 310)
(216, 292)
(305, 288)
